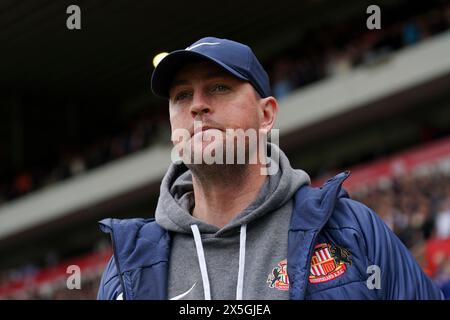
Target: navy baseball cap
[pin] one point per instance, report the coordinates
(234, 57)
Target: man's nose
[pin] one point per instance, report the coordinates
(199, 106)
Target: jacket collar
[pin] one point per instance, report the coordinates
(142, 246)
(312, 209)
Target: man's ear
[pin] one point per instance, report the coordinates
(269, 110)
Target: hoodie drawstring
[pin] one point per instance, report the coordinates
(202, 261)
(240, 283)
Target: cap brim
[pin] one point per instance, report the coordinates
(166, 70)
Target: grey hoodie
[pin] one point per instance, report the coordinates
(246, 259)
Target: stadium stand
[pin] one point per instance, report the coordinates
(409, 189)
(290, 71)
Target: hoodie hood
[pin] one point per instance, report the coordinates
(176, 199)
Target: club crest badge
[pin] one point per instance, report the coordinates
(278, 278)
(328, 262)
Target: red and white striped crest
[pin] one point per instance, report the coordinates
(322, 263)
(324, 266)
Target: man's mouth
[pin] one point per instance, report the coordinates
(203, 129)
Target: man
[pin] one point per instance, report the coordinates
(234, 231)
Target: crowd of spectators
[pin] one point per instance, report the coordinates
(327, 51)
(48, 279)
(337, 48)
(58, 290)
(417, 208)
(141, 134)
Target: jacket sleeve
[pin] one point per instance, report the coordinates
(110, 288)
(401, 276)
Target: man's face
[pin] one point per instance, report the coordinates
(204, 92)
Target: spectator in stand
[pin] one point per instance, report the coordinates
(411, 33)
(23, 183)
(281, 77)
(77, 165)
(443, 220)
(2, 193)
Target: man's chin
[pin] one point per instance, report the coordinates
(204, 159)
(215, 170)
(205, 152)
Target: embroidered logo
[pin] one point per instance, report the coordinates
(328, 262)
(278, 278)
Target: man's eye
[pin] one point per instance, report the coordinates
(181, 96)
(220, 88)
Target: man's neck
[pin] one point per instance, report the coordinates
(223, 194)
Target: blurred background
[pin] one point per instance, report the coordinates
(83, 138)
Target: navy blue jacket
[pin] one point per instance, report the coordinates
(368, 260)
